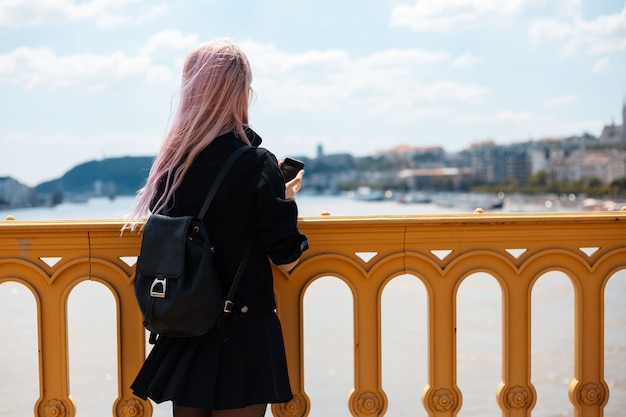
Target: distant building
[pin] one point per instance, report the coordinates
(14, 194)
(337, 161)
(406, 156)
(611, 133)
(517, 165)
(324, 161)
(614, 133)
(484, 161)
(605, 165)
(325, 172)
(491, 163)
(414, 150)
(543, 153)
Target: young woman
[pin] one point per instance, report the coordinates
(211, 375)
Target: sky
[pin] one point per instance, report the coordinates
(93, 79)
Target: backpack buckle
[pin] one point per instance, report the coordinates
(157, 288)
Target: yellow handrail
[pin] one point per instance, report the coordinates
(441, 251)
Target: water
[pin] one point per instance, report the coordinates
(328, 340)
(98, 208)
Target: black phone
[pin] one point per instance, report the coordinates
(290, 168)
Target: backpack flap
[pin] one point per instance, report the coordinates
(162, 251)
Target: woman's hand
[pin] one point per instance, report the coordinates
(292, 187)
(288, 267)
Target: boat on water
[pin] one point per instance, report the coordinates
(469, 201)
(415, 198)
(370, 194)
(592, 204)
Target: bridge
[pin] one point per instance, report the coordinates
(366, 255)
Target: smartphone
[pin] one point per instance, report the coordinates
(290, 168)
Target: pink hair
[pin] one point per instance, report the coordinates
(214, 99)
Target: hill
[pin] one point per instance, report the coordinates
(111, 176)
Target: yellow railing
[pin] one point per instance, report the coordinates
(51, 258)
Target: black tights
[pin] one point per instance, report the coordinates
(257, 410)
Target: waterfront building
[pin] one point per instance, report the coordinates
(615, 133)
(604, 165)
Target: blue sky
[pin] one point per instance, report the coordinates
(85, 80)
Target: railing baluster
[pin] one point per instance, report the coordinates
(442, 397)
(516, 395)
(289, 299)
(54, 399)
(368, 398)
(588, 391)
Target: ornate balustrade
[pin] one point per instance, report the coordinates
(51, 258)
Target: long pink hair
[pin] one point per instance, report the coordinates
(214, 99)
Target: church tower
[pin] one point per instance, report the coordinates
(623, 135)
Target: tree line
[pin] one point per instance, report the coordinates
(541, 183)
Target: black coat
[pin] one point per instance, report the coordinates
(250, 206)
(249, 367)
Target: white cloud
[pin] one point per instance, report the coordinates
(511, 116)
(447, 15)
(104, 13)
(405, 57)
(560, 101)
(43, 68)
(500, 116)
(267, 58)
(604, 34)
(389, 83)
(600, 65)
(169, 46)
(443, 15)
(465, 60)
(556, 20)
(395, 87)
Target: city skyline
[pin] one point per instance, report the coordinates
(85, 80)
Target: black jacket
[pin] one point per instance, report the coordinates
(249, 208)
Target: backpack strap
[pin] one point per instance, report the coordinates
(228, 304)
(220, 177)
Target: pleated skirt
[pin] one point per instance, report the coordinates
(213, 373)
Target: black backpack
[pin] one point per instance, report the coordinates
(176, 284)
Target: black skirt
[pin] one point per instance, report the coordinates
(213, 373)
